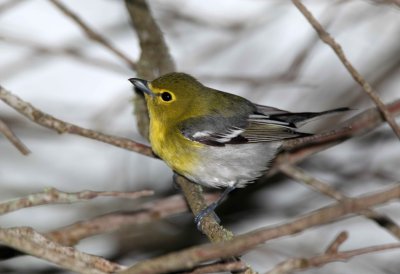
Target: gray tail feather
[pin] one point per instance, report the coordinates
(300, 118)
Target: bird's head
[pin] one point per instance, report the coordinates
(172, 96)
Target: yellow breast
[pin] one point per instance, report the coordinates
(171, 146)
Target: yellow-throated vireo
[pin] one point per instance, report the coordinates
(214, 138)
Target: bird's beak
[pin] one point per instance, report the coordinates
(141, 85)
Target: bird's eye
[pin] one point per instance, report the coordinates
(166, 96)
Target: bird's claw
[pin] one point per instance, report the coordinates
(204, 212)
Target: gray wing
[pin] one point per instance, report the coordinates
(261, 124)
(251, 128)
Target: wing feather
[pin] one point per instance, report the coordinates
(261, 124)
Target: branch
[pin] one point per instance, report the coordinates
(191, 257)
(95, 36)
(72, 234)
(219, 267)
(326, 38)
(333, 247)
(48, 121)
(29, 241)
(297, 264)
(54, 196)
(154, 60)
(301, 176)
(9, 134)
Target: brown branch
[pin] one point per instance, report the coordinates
(297, 264)
(10, 135)
(95, 36)
(29, 241)
(210, 227)
(72, 234)
(219, 267)
(46, 120)
(154, 60)
(54, 196)
(316, 184)
(191, 257)
(333, 247)
(326, 38)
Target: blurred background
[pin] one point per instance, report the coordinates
(263, 50)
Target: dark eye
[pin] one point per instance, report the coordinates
(166, 96)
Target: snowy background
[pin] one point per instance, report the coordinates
(244, 47)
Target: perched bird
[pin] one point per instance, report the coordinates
(214, 138)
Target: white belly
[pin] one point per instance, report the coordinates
(233, 165)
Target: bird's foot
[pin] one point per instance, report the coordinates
(204, 212)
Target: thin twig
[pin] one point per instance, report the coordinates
(54, 196)
(29, 241)
(191, 257)
(95, 36)
(326, 38)
(61, 127)
(333, 247)
(10, 135)
(219, 267)
(322, 187)
(72, 234)
(151, 211)
(297, 264)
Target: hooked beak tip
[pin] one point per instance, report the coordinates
(141, 85)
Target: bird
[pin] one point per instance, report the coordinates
(214, 138)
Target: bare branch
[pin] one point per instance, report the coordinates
(326, 38)
(210, 226)
(297, 264)
(154, 60)
(46, 120)
(10, 135)
(316, 184)
(29, 241)
(191, 257)
(219, 267)
(72, 234)
(333, 248)
(95, 36)
(54, 196)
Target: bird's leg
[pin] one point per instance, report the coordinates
(211, 207)
(174, 180)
